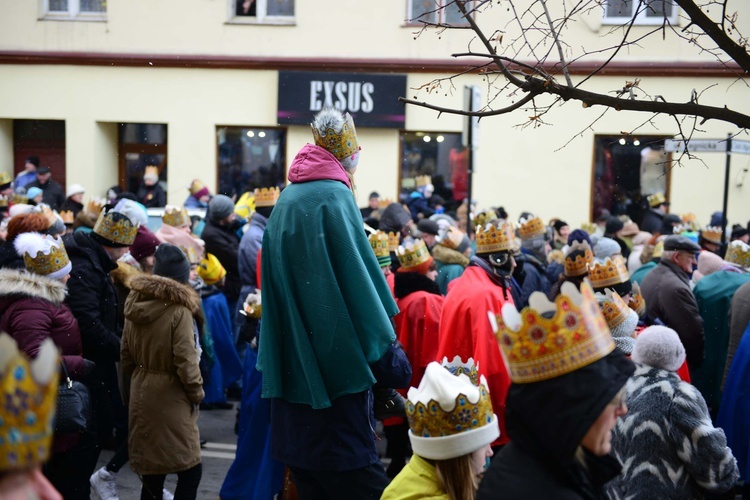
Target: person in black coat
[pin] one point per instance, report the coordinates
(54, 196)
(220, 235)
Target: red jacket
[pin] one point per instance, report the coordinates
(465, 331)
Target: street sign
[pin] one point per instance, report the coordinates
(696, 145)
(741, 147)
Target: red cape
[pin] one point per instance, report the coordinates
(465, 331)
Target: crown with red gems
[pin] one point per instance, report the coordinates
(340, 144)
(531, 228)
(547, 339)
(483, 218)
(615, 309)
(712, 234)
(579, 265)
(266, 197)
(608, 272)
(393, 241)
(637, 302)
(175, 216)
(738, 253)
(29, 397)
(413, 255)
(451, 237)
(495, 237)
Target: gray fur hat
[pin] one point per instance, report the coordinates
(659, 347)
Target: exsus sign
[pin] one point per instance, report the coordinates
(372, 99)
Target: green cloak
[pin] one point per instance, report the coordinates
(326, 304)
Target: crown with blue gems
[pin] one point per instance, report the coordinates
(42, 254)
(116, 227)
(340, 144)
(450, 415)
(547, 340)
(27, 409)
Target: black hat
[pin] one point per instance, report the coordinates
(558, 224)
(604, 215)
(614, 225)
(428, 226)
(738, 231)
(374, 194)
(677, 242)
(42, 170)
(170, 262)
(668, 223)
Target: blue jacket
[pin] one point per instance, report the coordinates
(417, 204)
(250, 245)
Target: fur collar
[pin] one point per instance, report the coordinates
(447, 255)
(166, 289)
(406, 283)
(124, 273)
(22, 283)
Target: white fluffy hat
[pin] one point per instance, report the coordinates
(659, 347)
(74, 189)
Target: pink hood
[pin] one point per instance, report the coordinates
(314, 163)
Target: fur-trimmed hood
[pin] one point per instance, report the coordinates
(154, 295)
(124, 273)
(447, 255)
(24, 284)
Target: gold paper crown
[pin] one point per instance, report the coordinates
(493, 238)
(175, 216)
(94, 206)
(589, 227)
(383, 203)
(48, 213)
(393, 241)
(681, 228)
(691, 220)
(531, 228)
(423, 180)
(151, 170)
(615, 309)
(413, 255)
(538, 348)
(67, 217)
(738, 253)
(340, 144)
(116, 227)
(29, 397)
(45, 263)
(266, 197)
(580, 265)
(658, 250)
(5, 178)
(712, 234)
(450, 238)
(656, 199)
(609, 272)
(3, 201)
(483, 218)
(191, 254)
(19, 199)
(430, 420)
(379, 243)
(637, 302)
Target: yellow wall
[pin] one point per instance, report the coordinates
(6, 146)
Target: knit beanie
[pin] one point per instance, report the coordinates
(622, 333)
(579, 235)
(659, 347)
(171, 263)
(536, 246)
(220, 207)
(144, 245)
(33, 192)
(133, 210)
(708, 263)
(606, 247)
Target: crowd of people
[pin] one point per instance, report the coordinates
(505, 358)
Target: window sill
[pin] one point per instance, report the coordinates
(267, 22)
(74, 19)
(639, 22)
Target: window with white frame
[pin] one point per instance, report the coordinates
(643, 11)
(435, 12)
(76, 10)
(262, 11)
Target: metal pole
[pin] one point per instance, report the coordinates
(726, 191)
(470, 166)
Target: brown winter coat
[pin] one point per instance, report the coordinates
(160, 357)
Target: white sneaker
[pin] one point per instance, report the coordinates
(104, 483)
(166, 495)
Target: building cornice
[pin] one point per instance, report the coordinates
(382, 65)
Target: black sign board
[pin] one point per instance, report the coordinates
(372, 99)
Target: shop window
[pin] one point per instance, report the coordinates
(261, 11)
(44, 139)
(439, 155)
(143, 145)
(74, 10)
(436, 12)
(626, 171)
(250, 158)
(644, 11)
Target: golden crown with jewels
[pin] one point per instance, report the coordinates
(547, 339)
(458, 367)
(379, 244)
(712, 234)
(340, 144)
(94, 206)
(615, 309)
(413, 255)
(495, 237)
(738, 253)
(589, 227)
(266, 197)
(637, 302)
(579, 265)
(531, 228)
(175, 216)
(393, 241)
(608, 272)
(423, 180)
(450, 237)
(483, 218)
(656, 199)
(29, 397)
(116, 227)
(67, 217)
(44, 263)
